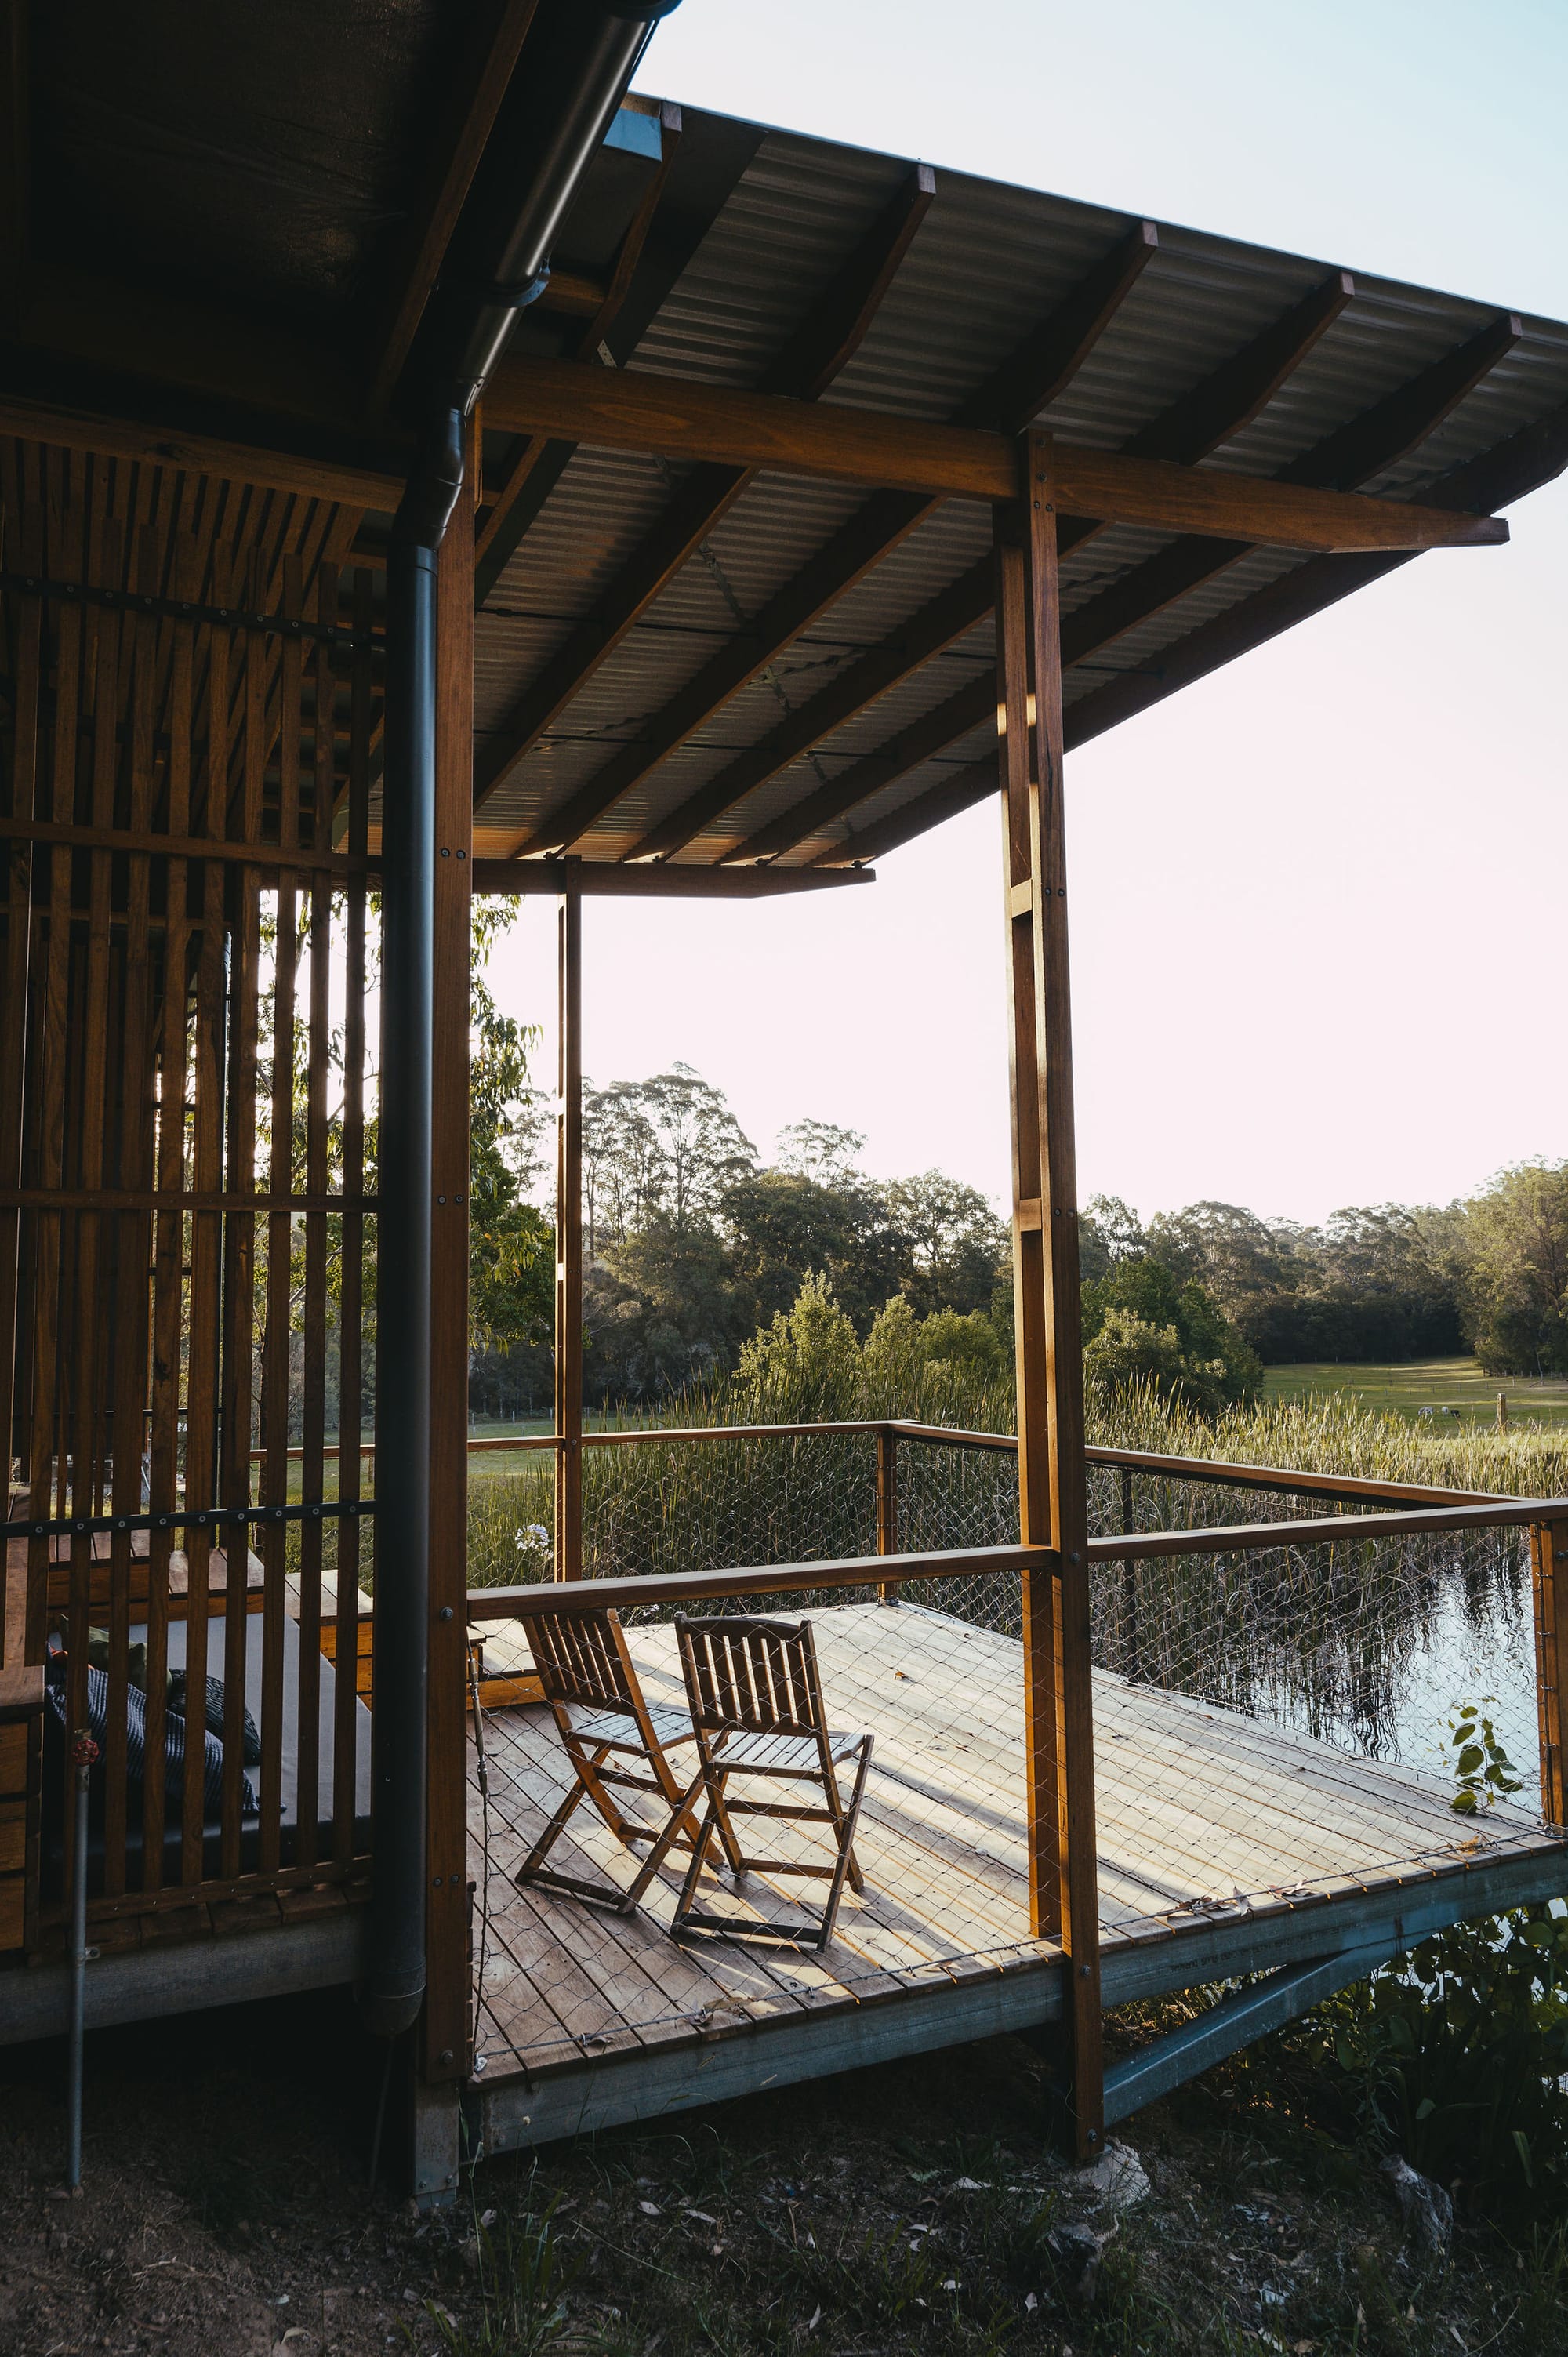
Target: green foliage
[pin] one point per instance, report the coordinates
(1143, 1325)
(524, 2277)
(1508, 1250)
(1483, 1770)
(782, 1225)
(510, 1247)
(1374, 1281)
(1455, 2057)
(692, 1247)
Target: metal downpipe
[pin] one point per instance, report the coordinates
(394, 1989)
(553, 119)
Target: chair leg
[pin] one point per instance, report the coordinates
(699, 1854)
(557, 1826)
(681, 1815)
(845, 1833)
(727, 1834)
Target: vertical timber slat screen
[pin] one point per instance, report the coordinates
(187, 1128)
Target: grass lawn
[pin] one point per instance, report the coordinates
(1412, 1384)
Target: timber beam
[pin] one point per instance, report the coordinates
(665, 418)
(609, 878)
(67, 427)
(495, 44)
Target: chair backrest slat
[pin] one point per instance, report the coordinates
(754, 1676)
(581, 1658)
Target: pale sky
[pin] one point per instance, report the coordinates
(1318, 898)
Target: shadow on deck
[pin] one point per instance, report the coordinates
(1226, 1848)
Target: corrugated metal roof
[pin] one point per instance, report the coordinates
(986, 267)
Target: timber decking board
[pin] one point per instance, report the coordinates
(1205, 1818)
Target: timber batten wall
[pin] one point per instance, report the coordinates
(185, 1213)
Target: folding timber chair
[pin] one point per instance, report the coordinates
(756, 1707)
(593, 1692)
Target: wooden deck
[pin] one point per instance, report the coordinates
(1225, 1846)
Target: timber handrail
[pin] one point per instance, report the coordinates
(1222, 1471)
(760, 1579)
(1253, 1538)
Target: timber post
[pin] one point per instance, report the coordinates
(569, 1233)
(1549, 1584)
(888, 1504)
(1052, 1491)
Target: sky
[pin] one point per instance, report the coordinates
(1317, 900)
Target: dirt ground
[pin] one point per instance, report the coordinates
(227, 2207)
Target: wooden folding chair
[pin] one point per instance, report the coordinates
(593, 1692)
(756, 1706)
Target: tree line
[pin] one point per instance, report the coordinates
(1488, 1273)
(694, 1243)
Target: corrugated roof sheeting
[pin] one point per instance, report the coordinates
(986, 265)
(774, 249)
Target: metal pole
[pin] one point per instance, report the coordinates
(396, 1985)
(83, 1752)
(569, 1238)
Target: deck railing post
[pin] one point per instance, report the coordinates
(569, 1237)
(888, 1504)
(1052, 1492)
(1549, 1583)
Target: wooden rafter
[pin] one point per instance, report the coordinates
(1221, 405)
(1371, 442)
(948, 616)
(1367, 447)
(826, 342)
(957, 716)
(960, 790)
(478, 87)
(1041, 368)
(200, 454)
(1534, 455)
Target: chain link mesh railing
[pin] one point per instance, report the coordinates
(1269, 1722)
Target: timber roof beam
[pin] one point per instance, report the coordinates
(669, 418)
(479, 86)
(505, 519)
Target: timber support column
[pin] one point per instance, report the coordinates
(569, 1238)
(1053, 1506)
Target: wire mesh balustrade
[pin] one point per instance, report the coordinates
(1272, 1720)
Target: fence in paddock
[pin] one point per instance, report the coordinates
(1281, 1660)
